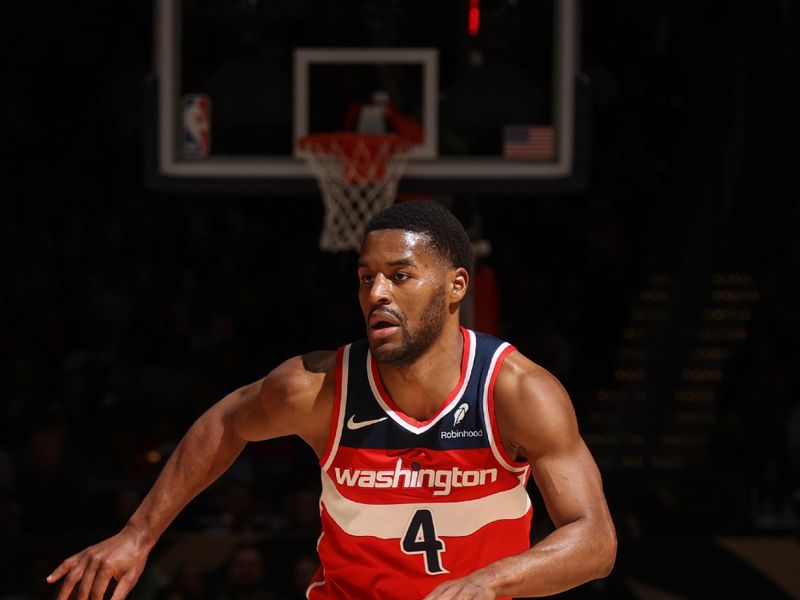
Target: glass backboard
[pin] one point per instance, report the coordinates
(488, 89)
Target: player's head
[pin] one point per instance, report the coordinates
(443, 231)
(414, 270)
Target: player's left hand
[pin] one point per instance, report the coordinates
(462, 589)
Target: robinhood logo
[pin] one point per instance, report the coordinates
(442, 481)
(460, 413)
(458, 416)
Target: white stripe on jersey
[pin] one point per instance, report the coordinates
(488, 419)
(311, 587)
(390, 521)
(342, 407)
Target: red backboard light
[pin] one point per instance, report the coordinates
(474, 22)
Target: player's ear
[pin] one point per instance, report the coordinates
(459, 283)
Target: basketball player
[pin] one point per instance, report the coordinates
(426, 434)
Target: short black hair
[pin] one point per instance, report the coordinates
(445, 232)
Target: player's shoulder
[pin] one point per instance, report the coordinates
(297, 395)
(528, 386)
(516, 368)
(520, 367)
(301, 375)
(532, 408)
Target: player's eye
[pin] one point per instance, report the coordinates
(400, 276)
(367, 279)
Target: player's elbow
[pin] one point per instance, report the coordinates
(605, 551)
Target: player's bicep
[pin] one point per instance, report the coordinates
(243, 414)
(256, 412)
(540, 420)
(289, 400)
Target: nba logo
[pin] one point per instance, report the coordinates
(196, 125)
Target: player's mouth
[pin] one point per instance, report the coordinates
(383, 324)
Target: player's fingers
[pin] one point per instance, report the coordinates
(88, 581)
(124, 585)
(73, 577)
(101, 580)
(479, 593)
(453, 592)
(61, 569)
(438, 593)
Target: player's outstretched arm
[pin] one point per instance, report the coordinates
(536, 419)
(274, 406)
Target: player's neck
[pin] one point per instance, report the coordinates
(420, 388)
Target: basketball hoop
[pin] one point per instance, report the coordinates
(358, 175)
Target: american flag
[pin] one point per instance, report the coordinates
(529, 141)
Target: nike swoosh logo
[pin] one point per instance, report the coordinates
(353, 425)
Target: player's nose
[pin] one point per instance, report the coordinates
(380, 293)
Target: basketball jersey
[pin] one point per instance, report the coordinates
(408, 504)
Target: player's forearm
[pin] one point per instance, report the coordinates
(573, 554)
(204, 453)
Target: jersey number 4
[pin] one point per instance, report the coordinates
(420, 538)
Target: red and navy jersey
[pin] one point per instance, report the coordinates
(408, 504)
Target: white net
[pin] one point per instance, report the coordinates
(358, 177)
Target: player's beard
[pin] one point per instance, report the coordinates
(414, 344)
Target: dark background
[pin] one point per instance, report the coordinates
(124, 313)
